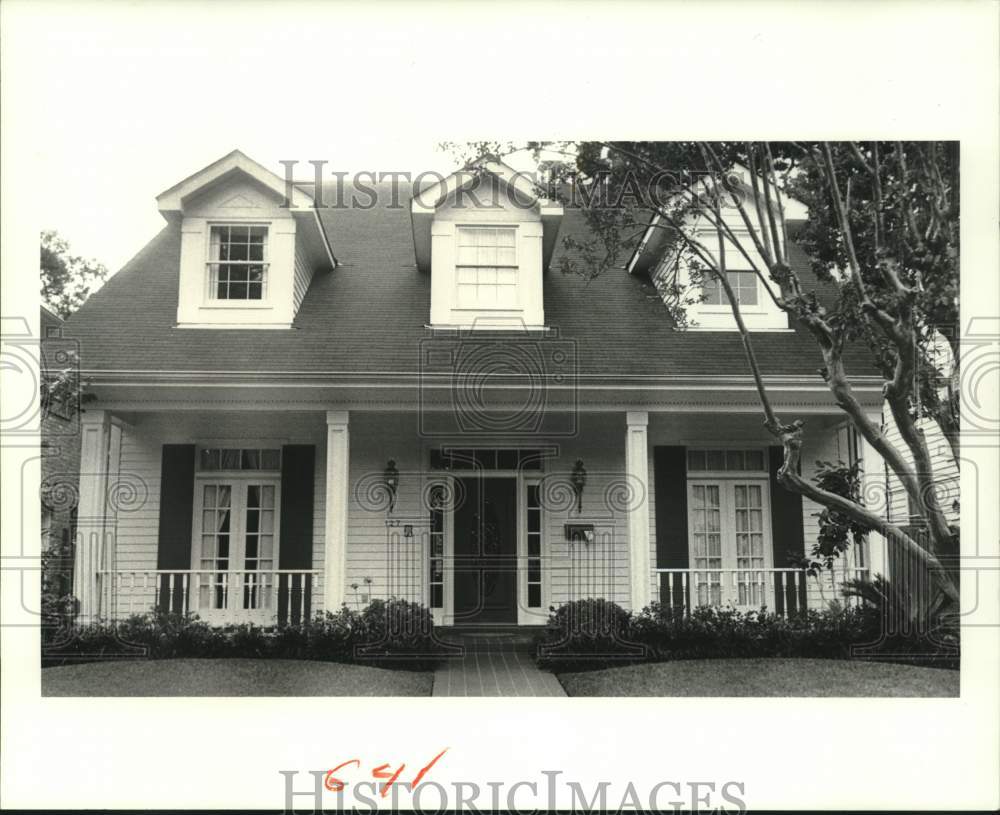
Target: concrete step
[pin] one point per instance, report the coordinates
(491, 639)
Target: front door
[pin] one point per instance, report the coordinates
(485, 551)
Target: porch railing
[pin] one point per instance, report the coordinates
(783, 591)
(269, 597)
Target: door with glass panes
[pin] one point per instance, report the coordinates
(730, 542)
(236, 549)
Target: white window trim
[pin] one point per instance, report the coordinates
(518, 306)
(211, 302)
(726, 308)
(445, 614)
(237, 521)
(525, 614)
(764, 309)
(727, 507)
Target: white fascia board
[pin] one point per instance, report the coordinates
(172, 199)
(429, 199)
(794, 210)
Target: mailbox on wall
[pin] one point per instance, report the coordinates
(579, 533)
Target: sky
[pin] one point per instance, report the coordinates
(114, 102)
(122, 105)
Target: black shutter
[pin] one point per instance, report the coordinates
(670, 482)
(176, 510)
(788, 537)
(298, 463)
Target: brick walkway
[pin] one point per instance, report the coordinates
(494, 665)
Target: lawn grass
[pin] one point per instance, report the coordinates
(231, 677)
(763, 677)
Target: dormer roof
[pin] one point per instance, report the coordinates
(519, 185)
(172, 200)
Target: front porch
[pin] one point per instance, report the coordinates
(286, 595)
(269, 517)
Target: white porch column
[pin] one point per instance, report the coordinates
(92, 523)
(338, 448)
(637, 473)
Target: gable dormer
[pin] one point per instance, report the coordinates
(248, 253)
(485, 237)
(657, 257)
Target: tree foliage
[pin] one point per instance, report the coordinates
(66, 279)
(882, 233)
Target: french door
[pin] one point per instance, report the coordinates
(730, 542)
(236, 549)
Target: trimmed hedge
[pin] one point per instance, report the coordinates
(583, 634)
(387, 633)
(592, 634)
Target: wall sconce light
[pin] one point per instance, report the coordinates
(579, 480)
(391, 476)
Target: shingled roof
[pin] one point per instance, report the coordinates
(369, 315)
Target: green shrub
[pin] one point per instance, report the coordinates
(708, 633)
(246, 641)
(591, 634)
(587, 633)
(917, 623)
(327, 637)
(169, 634)
(58, 605)
(398, 633)
(392, 633)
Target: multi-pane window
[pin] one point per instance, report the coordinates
(486, 267)
(236, 546)
(486, 459)
(725, 460)
(258, 542)
(706, 539)
(534, 546)
(216, 529)
(237, 262)
(436, 559)
(744, 285)
(728, 522)
(749, 525)
(239, 458)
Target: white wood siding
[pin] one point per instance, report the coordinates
(303, 277)
(945, 472)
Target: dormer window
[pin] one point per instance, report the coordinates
(670, 270)
(486, 251)
(237, 264)
(486, 267)
(743, 284)
(250, 245)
